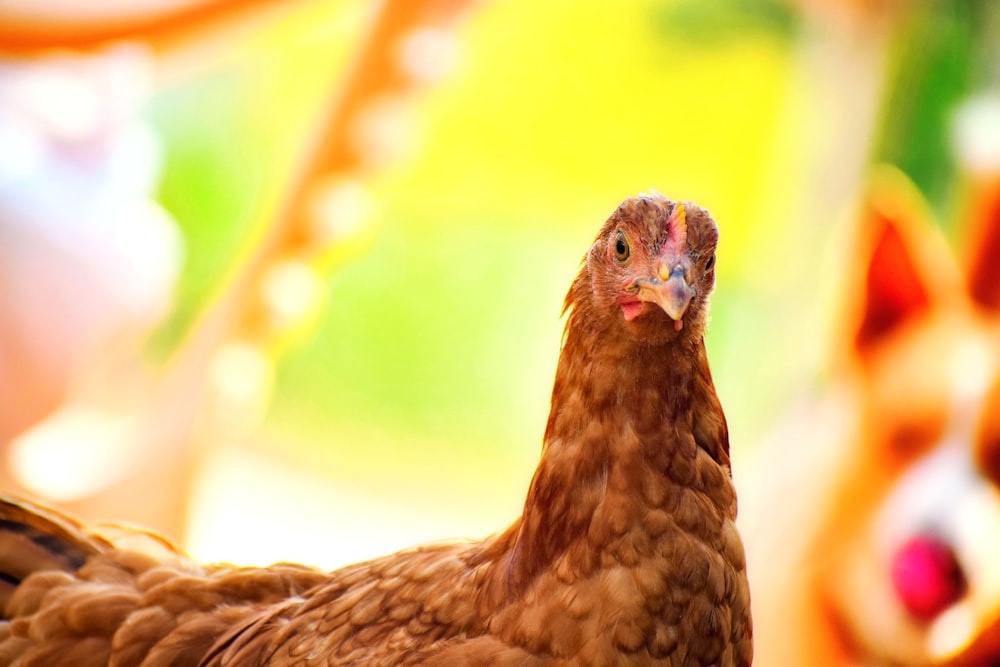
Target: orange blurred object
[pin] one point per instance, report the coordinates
(892, 543)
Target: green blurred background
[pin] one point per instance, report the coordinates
(421, 386)
(428, 372)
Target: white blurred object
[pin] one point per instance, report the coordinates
(88, 260)
(257, 509)
(976, 133)
(77, 451)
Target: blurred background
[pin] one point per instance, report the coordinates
(282, 280)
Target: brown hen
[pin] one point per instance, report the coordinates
(626, 552)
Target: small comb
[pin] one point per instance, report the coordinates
(677, 223)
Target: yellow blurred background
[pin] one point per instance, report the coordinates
(353, 356)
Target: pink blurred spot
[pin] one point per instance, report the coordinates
(927, 577)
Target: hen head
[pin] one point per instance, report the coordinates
(652, 267)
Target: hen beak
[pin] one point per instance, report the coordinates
(670, 292)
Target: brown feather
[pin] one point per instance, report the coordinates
(626, 552)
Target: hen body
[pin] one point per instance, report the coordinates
(626, 552)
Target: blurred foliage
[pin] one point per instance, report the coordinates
(695, 20)
(233, 132)
(446, 332)
(206, 186)
(938, 61)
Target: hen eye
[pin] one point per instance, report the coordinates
(621, 247)
(710, 263)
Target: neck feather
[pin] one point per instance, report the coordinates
(628, 423)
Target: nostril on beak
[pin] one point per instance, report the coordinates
(665, 273)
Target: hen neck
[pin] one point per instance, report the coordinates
(627, 423)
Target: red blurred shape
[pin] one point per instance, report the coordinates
(927, 577)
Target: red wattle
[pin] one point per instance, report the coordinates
(632, 309)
